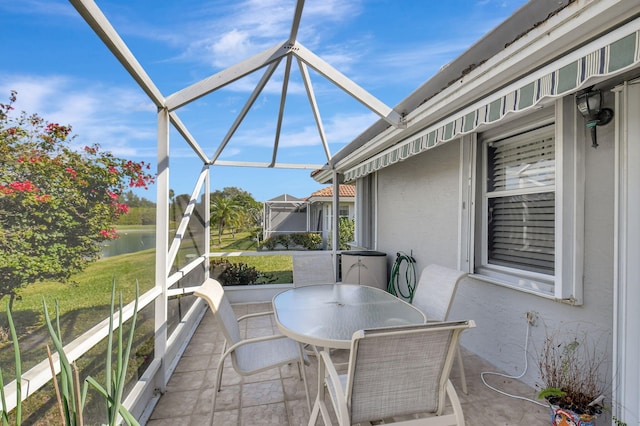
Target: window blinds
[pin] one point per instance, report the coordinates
(521, 202)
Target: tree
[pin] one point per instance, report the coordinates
(57, 203)
(224, 212)
(251, 210)
(133, 200)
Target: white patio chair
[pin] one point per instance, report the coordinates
(316, 268)
(396, 372)
(249, 356)
(434, 296)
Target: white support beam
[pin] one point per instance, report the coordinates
(184, 132)
(336, 77)
(226, 76)
(268, 165)
(186, 216)
(314, 106)
(296, 21)
(283, 100)
(207, 222)
(162, 245)
(103, 28)
(335, 231)
(254, 95)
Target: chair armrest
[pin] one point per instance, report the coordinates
(260, 339)
(254, 340)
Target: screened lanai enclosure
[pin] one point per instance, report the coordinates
(182, 254)
(421, 171)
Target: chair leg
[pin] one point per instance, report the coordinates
(463, 377)
(303, 373)
(219, 369)
(455, 403)
(218, 382)
(314, 413)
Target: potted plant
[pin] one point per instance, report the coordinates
(571, 374)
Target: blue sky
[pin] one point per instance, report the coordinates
(63, 72)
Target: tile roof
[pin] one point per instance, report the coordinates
(345, 191)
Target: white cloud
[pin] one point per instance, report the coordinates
(120, 119)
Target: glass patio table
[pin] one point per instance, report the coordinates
(327, 315)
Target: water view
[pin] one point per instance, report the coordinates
(130, 241)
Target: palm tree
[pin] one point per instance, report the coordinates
(225, 211)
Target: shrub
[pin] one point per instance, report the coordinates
(234, 273)
(308, 240)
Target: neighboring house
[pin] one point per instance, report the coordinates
(321, 208)
(286, 214)
(496, 172)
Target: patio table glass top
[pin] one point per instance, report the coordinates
(327, 315)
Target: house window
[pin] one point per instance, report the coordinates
(516, 216)
(365, 212)
(343, 211)
(524, 182)
(519, 202)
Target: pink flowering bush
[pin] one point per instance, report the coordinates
(57, 203)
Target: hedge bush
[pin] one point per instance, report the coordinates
(308, 240)
(229, 273)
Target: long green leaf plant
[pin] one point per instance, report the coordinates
(4, 414)
(116, 379)
(70, 398)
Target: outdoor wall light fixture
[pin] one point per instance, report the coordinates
(590, 106)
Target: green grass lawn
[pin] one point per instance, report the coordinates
(89, 291)
(84, 301)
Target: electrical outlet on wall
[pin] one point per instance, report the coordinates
(532, 318)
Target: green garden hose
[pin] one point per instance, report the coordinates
(395, 285)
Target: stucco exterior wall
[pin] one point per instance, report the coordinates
(418, 210)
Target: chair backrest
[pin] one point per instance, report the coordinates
(401, 370)
(213, 293)
(316, 268)
(436, 290)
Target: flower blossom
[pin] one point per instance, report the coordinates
(26, 186)
(109, 234)
(121, 208)
(72, 172)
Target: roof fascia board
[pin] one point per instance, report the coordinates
(93, 16)
(336, 77)
(343, 198)
(392, 154)
(227, 76)
(539, 46)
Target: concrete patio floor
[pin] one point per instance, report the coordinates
(277, 397)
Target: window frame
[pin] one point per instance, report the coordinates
(512, 275)
(566, 283)
(366, 212)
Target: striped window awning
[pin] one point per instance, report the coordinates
(564, 79)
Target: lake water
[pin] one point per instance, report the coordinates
(130, 241)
